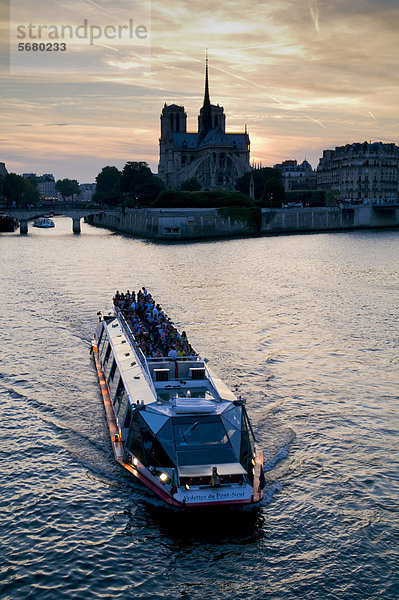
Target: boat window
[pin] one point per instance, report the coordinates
(102, 347)
(158, 457)
(107, 367)
(119, 400)
(165, 438)
(113, 384)
(143, 440)
(246, 453)
(112, 372)
(100, 337)
(200, 430)
(128, 417)
(232, 421)
(134, 442)
(108, 352)
(119, 392)
(201, 440)
(122, 408)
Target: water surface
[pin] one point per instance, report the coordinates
(304, 326)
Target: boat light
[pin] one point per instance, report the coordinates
(163, 477)
(135, 461)
(187, 486)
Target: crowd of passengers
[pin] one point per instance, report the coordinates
(152, 329)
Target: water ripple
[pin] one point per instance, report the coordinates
(302, 326)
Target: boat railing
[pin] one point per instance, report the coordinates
(155, 359)
(210, 378)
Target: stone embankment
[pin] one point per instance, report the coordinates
(189, 224)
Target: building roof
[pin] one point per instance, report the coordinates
(185, 140)
(215, 137)
(306, 166)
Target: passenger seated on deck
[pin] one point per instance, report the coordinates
(154, 332)
(172, 353)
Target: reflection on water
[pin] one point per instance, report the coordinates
(213, 526)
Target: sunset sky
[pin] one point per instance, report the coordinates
(304, 75)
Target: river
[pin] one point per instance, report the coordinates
(304, 326)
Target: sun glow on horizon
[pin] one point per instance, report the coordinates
(303, 76)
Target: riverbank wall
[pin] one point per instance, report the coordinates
(190, 224)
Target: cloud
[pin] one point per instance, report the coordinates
(314, 13)
(303, 74)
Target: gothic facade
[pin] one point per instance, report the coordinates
(212, 156)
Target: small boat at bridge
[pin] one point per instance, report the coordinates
(43, 222)
(174, 424)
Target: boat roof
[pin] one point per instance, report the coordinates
(178, 407)
(138, 387)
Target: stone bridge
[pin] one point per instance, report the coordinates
(75, 211)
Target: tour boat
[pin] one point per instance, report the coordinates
(43, 222)
(174, 424)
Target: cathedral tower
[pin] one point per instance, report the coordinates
(173, 120)
(212, 156)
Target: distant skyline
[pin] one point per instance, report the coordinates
(303, 75)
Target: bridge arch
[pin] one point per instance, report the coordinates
(75, 211)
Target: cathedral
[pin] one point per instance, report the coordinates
(212, 156)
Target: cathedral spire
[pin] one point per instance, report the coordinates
(205, 112)
(207, 101)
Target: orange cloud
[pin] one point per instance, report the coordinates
(303, 75)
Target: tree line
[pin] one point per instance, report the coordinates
(20, 192)
(136, 186)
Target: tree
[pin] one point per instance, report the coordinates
(273, 192)
(108, 188)
(20, 192)
(260, 177)
(146, 193)
(191, 185)
(207, 199)
(67, 188)
(134, 174)
(139, 183)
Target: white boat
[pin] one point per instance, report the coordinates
(174, 424)
(43, 222)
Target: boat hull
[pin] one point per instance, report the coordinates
(43, 223)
